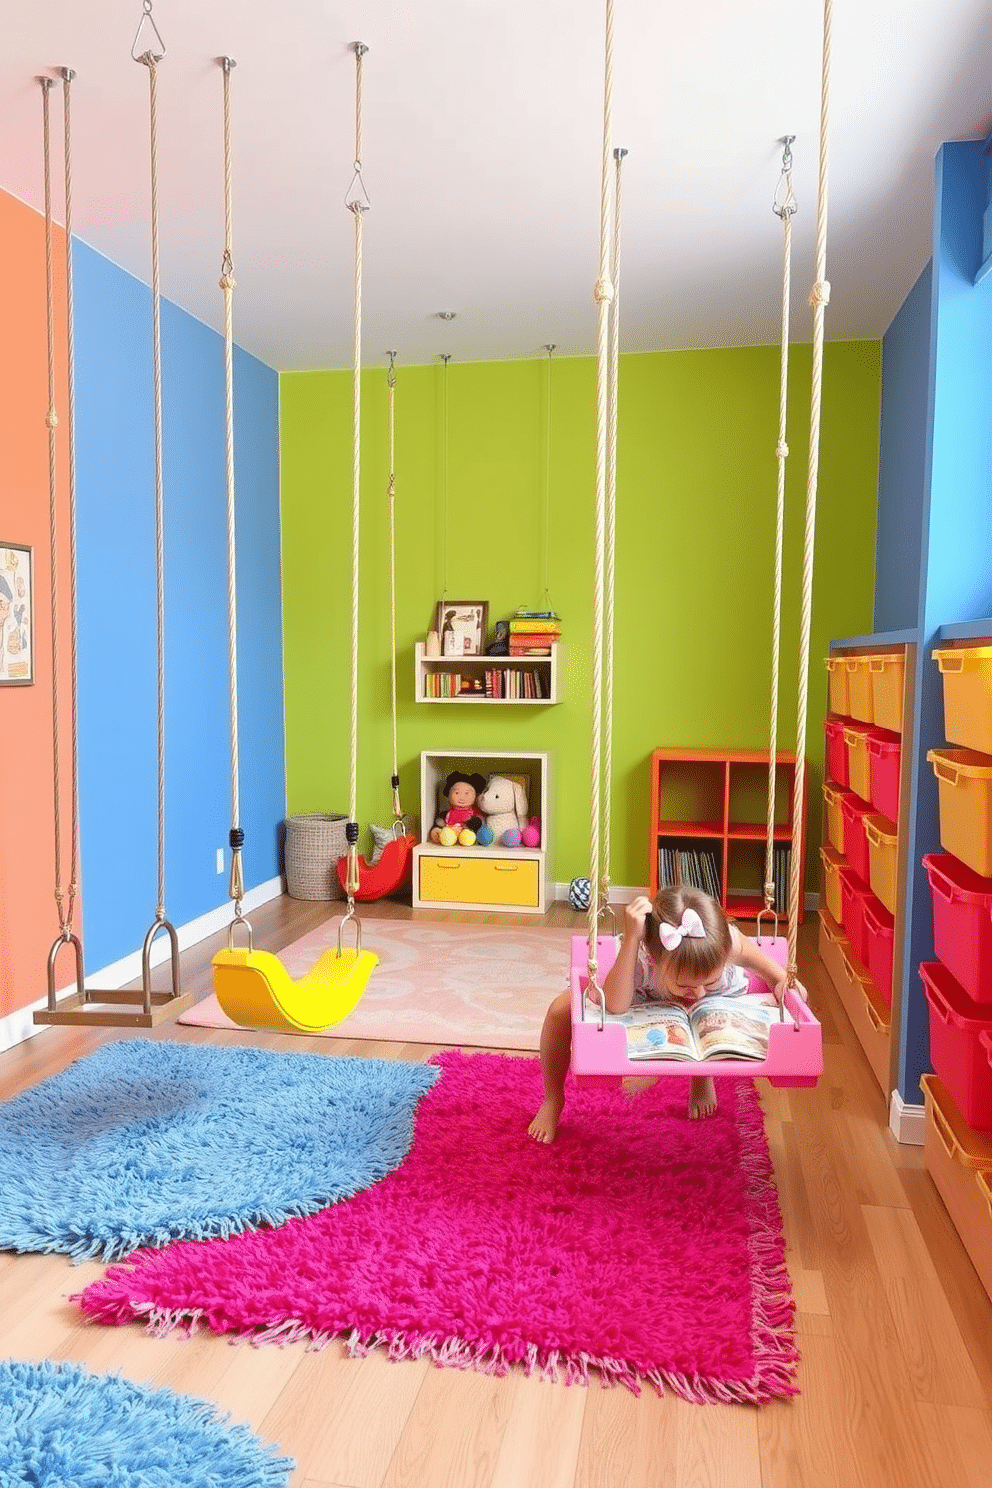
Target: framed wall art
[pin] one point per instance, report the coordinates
(16, 615)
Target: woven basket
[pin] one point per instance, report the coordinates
(314, 842)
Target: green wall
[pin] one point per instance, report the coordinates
(695, 532)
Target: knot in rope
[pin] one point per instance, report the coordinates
(603, 291)
(782, 450)
(227, 281)
(52, 419)
(820, 293)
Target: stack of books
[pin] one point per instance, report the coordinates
(534, 632)
(680, 867)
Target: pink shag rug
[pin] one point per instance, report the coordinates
(640, 1244)
(487, 986)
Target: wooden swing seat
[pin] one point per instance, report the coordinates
(116, 1008)
(256, 991)
(599, 1055)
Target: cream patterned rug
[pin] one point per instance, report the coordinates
(480, 986)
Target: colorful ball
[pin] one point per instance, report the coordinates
(511, 837)
(579, 891)
(447, 836)
(466, 837)
(531, 837)
(485, 836)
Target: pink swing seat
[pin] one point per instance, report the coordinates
(599, 1055)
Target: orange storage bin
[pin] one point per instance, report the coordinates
(859, 689)
(967, 674)
(964, 782)
(835, 816)
(883, 845)
(887, 672)
(837, 681)
(833, 862)
(858, 760)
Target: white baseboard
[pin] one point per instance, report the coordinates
(908, 1124)
(18, 1026)
(623, 893)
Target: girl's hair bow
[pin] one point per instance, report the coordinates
(672, 936)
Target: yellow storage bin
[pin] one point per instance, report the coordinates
(883, 843)
(832, 862)
(858, 761)
(837, 679)
(964, 783)
(479, 880)
(967, 674)
(887, 671)
(859, 689)
(835, 818)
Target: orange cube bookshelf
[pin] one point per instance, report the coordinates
(714, 802)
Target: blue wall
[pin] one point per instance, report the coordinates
(903, 454)
(955, 571)
(117, 612)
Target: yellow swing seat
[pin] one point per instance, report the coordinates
(256, 991)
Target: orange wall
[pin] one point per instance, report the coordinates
(28, 916)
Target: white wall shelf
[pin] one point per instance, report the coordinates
(511, 669)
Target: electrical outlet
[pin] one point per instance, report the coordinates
(220, 860)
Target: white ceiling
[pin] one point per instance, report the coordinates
(482, 145)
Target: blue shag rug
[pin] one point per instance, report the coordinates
(142, 1143)
(62, 1426)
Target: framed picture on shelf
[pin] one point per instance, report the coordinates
(461, 624)
(16, 616)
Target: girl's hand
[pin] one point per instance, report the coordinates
(782, 985)
(635, 916)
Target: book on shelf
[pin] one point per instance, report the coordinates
(692, 868)
(716, 1028)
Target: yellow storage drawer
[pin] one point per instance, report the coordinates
(887, 670)
(832, 862)
(883, 846)
(967, 677)
(964, 793)
(479, 880)
(839, 684)
(859, 688)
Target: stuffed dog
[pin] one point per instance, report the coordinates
(505, 805)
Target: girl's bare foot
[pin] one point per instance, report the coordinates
(544, 1127)
(702, 1097)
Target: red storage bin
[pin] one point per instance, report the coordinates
(956, 1051)
(853, 890)
(837, 770)
(855, 840)
(884, 763)
(962, 923)
(880, 935)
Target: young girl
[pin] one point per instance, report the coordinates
(681, 948)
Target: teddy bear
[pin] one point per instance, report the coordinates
(505, 804)
(462, 814)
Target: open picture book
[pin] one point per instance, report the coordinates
(716, 1028)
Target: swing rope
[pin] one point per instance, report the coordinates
(784, 207)
(603, 295)
(819, 298)
(613, 384)
(391, 494)
(151, 60)
(357, 203)
(228, 284)
(64, 899)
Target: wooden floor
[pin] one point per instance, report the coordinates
(894, 1327)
